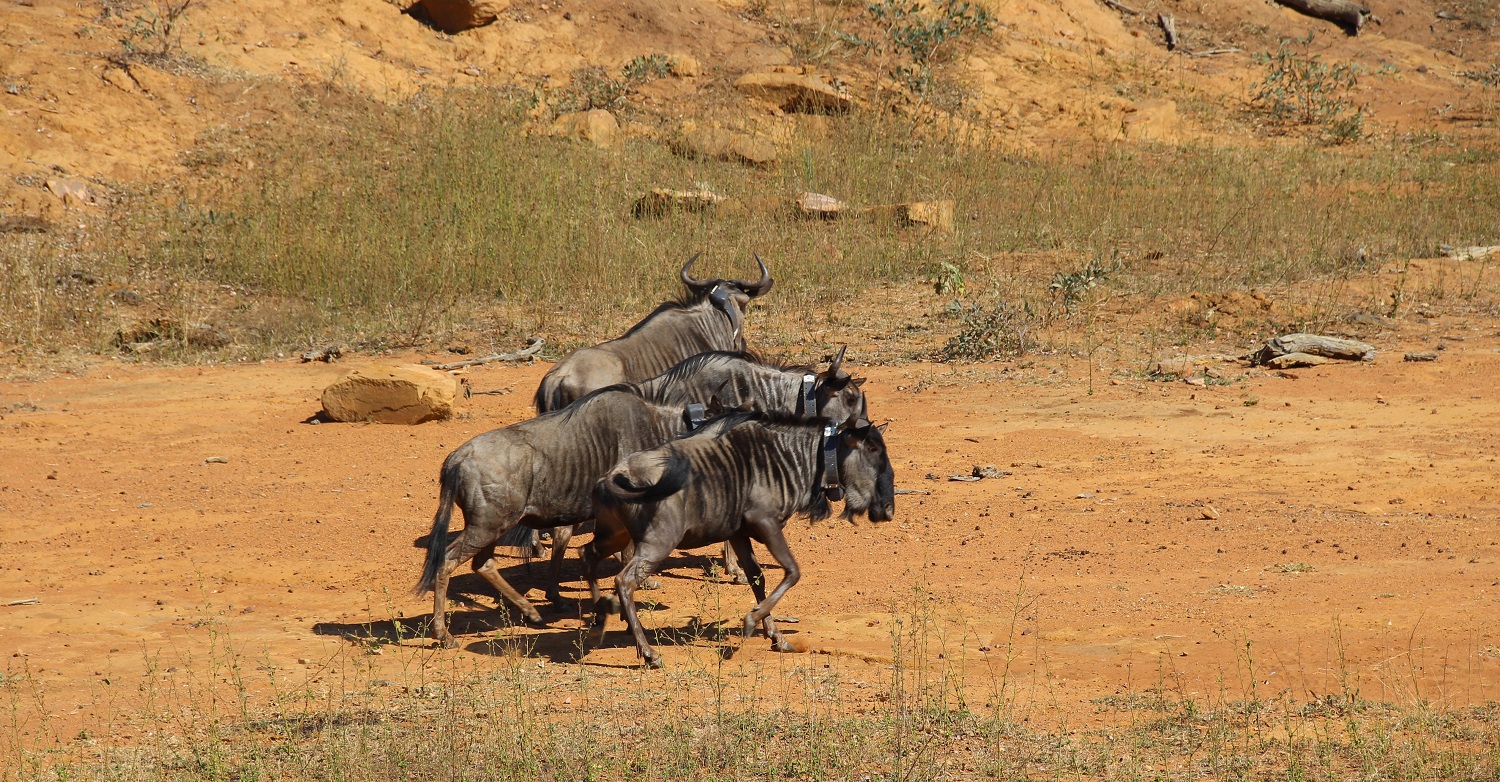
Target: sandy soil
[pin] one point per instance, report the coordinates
(1137, 541)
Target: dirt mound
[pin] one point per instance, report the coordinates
(105, 93)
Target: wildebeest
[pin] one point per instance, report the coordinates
(538, 473)
(735, 380)
(739, 478)
(708, 318)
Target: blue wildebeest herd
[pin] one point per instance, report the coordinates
(620, 439)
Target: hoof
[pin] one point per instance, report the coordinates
(780, 645)
(749, 631)
(555, 598)
(741, 579)
(654, 662)
(650, 583)
(594, 638)
(534, 619)
(447, 642)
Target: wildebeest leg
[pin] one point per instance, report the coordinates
(608, 540)
(624, 556)
(757, 580)
(458, 550)
(732, 563)
(491, 573)
(560, 538)
(648, 556)
(769, 532)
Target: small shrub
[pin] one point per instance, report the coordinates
(948, 280)
(647, 68)
(922, 34)
(1302, 90)
(152, 35)
(592, 87)
(1000, 329)
(1071, 287)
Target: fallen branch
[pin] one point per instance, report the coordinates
(1121, 7)
(1348, 15)
(533, 346)
(25, 601)
(1213, 52)
(1313, 345)
(1168, 28)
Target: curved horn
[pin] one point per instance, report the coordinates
(687, 279)
(838, 360)
(757, 288)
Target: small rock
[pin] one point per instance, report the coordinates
(96, 572)
(1210, 513)
(819, 206)
(662, 200)
(303, 661)
(391, 394)
(216, 460)
(685, 66)
(1420, 357)
(71, 191)
(597, 126)
(988, 471)
(1195, 381)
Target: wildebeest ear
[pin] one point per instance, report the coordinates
(859, 381)
(881, 428)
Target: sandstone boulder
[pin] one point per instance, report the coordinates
(723, 144)
(597, 127)
(455, 16)
(795, 93)
(391, 394)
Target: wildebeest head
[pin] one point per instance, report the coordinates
(839, 396)
(731, 296)
(865, 471)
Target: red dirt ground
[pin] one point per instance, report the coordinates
(1135, 542)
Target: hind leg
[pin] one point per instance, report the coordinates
(560, 538)
(491, 573)
(458, 550)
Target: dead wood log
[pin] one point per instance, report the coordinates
(533, 346)
(1121, 7)
(1312, 344)
(1348, 15)
(1169, 29)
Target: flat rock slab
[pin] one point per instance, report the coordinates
(391, 394)
(662, 200)
(1294, 360)
(795, 93)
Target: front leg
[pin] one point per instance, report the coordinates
(768, 531)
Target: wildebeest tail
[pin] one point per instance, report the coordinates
(548, 395)
(437, 540)
(521, 537)
(623, 486)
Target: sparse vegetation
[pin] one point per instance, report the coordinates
(447, 213)
(1301, 90)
